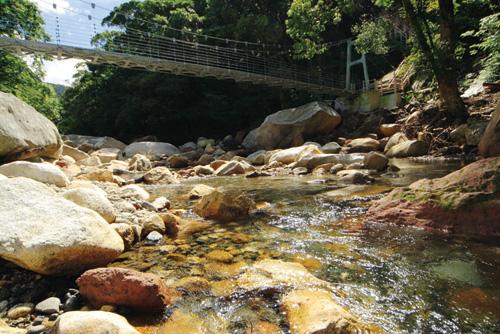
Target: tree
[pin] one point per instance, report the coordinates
(432, 22)
(129, 104)
(440, 55)
(23, 20)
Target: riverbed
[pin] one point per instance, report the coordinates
(404, 280)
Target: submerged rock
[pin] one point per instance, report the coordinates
(316, 312)
(183, 323)
(50, 235)
(274, 275)
(466, 201)
(125, 287)
(24, 132)
(41, 172)
(224, 207)
(95, 322)
(291, 127)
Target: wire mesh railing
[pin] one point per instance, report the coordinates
(82, 32)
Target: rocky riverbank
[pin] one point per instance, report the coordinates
(71, 205)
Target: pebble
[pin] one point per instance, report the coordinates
(48, 306)
(20, 310)
(38, 321)
(220, 256)
(154, 237)
(36, 329)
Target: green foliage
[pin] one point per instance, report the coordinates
(23, 20)
(129, 104)
(307, 21)
(17, 78)
(488, 47)
(179, 14)
(371, 36)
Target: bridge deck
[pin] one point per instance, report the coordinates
(147, 63)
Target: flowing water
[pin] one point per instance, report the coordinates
(402, 279)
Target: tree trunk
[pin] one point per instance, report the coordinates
(441, 59)
(447, 79)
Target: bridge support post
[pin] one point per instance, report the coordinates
(350, 63)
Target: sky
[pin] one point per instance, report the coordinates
(76, 29)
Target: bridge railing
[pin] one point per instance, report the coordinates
(274, 66)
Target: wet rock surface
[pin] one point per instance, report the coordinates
(465, 202)
(200, 255)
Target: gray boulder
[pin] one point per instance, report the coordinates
(24, 132)
(411, 148)
(95, 142)
(290, 127)
(152, 150)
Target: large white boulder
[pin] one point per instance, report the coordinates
(291, 127)
(50, 235)
(41, 172)
(93, 200)
(24, 132)
(312, 161)
(152, 150)
(93, 322)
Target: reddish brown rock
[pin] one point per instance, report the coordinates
(465, 202)
(125, 287)
(476, 300)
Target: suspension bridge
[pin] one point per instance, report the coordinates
(144, 50)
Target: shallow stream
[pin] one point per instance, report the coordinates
(401, 279)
